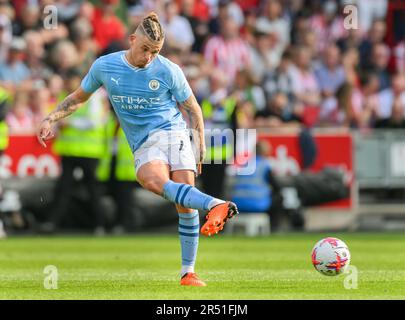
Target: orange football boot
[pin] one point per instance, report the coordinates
(191, 279)
(217, 217)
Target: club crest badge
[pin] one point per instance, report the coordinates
(154, 84)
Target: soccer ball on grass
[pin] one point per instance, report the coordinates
(330, 256)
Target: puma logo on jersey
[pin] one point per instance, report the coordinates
(115, 80)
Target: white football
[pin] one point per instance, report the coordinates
(330, 256)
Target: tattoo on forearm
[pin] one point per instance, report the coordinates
(197, 124)
(65, 108)
(197, 121)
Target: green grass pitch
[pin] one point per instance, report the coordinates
(147, 267)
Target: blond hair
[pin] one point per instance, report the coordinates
(151, 27)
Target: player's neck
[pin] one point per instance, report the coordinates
(129, 59)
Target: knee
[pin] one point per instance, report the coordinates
(154, 185)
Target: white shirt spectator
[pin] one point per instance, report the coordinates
(303, 81)
(180, 30)
(280, 28)
(263, 64)
(385, 102)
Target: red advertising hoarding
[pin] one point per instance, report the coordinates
(26, 157)
(333, 150)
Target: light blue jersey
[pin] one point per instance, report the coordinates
(144, 99)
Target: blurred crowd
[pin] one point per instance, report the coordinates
(285, 63)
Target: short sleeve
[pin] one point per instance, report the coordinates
(92, 81)
(180, 88)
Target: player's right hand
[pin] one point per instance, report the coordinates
(44, 132)
(202, 152)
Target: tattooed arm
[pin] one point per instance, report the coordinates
(69, 105)
(196, 124)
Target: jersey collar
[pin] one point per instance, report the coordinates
(136, 69)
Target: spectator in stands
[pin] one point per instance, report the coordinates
(81, 35)
(310, 41)
(245, 89)
(370, 11)
(278, 114)
(39, 99)
(20, 118)
(8, 10)
(265, 54)
(350, 62)
(55, 85)
(35, 56)
(380, 58)
(193, 11)
(198, 9)
(68, 10)
(64, 57)
(221, 10)
(196, 81)
(352, 40)
(338, 111)
(365, 100)
(328, 24)
(390, 96)
(29, 20)
(14, 71)
(248, 31)
(244, 117)
(399, 56)
(330, 74)
(280, 79)
(300, 26)
(172, 23)
(304, 82)
(227, 51)
(397, 118)
(272, 22)
(375, 36)
(107, 28)
(136, 12)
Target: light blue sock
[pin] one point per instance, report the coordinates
(188, 196)
(189, 231)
